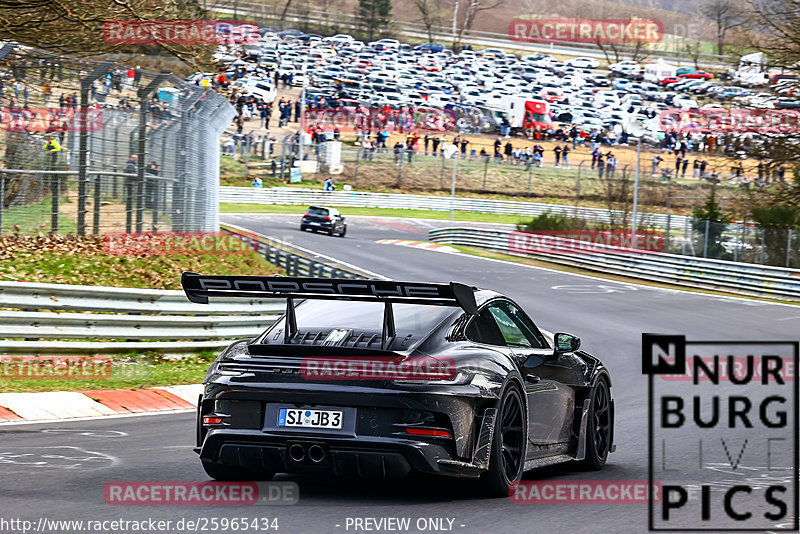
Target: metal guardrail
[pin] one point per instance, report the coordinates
(146, 319)
(687, 271)
(296, 261)
(362, 199)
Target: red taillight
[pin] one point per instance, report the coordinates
(212, 420)
(428, 432)
(326, 218)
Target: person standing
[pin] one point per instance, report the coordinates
(656, 161)
(611, 165)
(557, 151)
(262, 113)
(425, 141)
(685, 165)
(601, 166)
(696, 167)
(435, 145)
(703, 164)
(297, 106)
(565, 157)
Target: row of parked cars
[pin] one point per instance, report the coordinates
(490, 84)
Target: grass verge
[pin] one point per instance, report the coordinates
(377, 212)
(60, 259)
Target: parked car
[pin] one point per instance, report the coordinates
(583, 63)
(698, 74)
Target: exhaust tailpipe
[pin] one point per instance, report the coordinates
(316, 454)
(297, 452)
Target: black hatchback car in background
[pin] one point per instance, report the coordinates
(318, 218)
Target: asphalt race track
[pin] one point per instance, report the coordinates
(59, 470)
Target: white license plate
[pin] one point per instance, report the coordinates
(305, 418)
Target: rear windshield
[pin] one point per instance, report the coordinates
(321, 212)
(414, 319)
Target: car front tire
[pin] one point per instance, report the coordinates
(600, 429)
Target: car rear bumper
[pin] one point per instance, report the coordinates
(377, 444)
(364, 458)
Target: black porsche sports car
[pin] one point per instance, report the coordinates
(378, 378)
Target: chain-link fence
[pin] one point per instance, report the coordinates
(574, 181)
(740, 242)
(92, 147)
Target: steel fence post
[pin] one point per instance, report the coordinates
(705, 241)
(55, 191)
(441, 176)
(400, 167)
(83, 151)
(530, 180)
(2, 199)
(789, 248)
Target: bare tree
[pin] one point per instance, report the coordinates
(464, 23)
(430, 13)
(725, 15)
(693, 49)
(774, 28)
(78, 27)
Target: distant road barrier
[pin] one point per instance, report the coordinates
(364, 199)
(687, 271)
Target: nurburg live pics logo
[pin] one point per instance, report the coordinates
(722, 434)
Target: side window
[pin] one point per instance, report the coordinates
(483, 329)
(516, 328)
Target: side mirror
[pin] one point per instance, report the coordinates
(566, 343)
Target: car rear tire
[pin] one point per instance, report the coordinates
(224, 472)
(600, 428)
(303, 228)
(344, 231)
(507, 460)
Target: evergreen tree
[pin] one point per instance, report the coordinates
(375, 16)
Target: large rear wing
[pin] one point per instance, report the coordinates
(199, 288)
